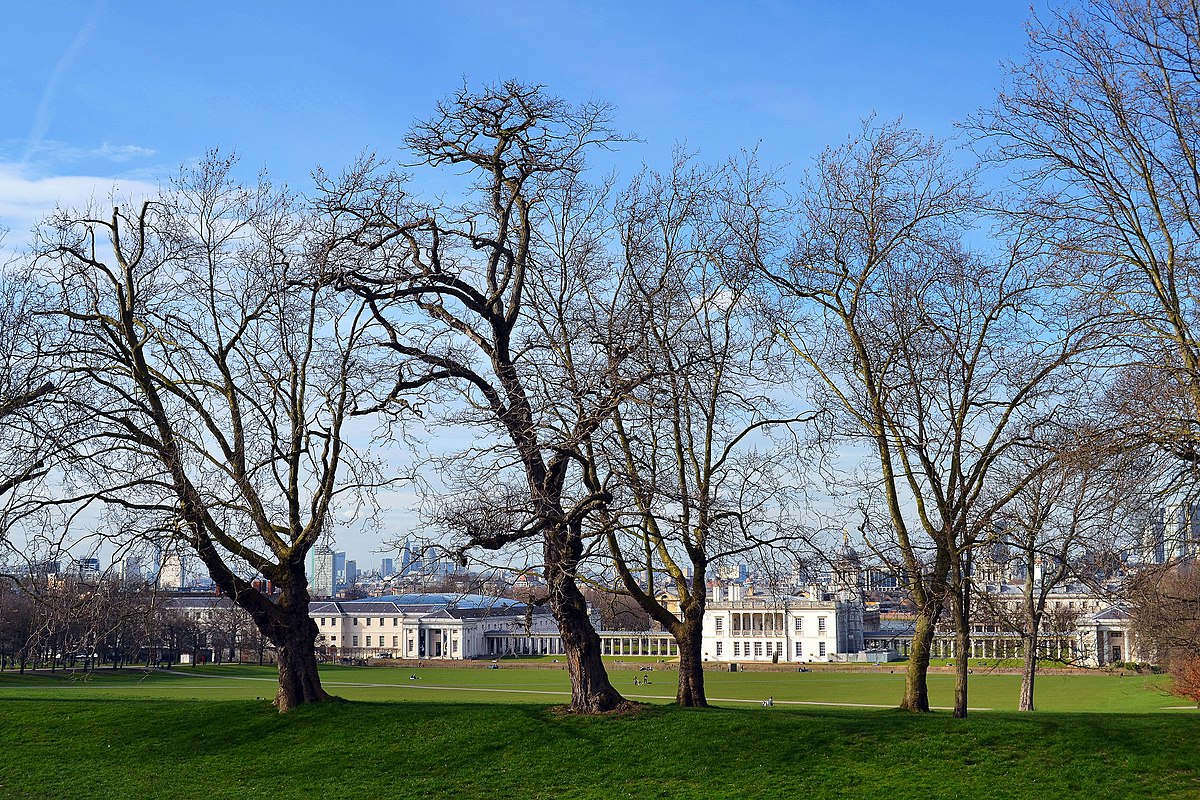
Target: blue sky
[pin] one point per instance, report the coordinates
(109, 93)
(127, 91)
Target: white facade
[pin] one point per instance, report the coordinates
(425, 626)
(781, 629)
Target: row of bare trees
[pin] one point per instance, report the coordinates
(65, 622)
(644, 372)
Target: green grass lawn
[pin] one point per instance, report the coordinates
(1088, 692)
(445, 736)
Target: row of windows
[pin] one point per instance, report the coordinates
(720, 624)
(354, 621)
(744, 649)
(381, 641)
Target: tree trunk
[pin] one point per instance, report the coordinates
(299, 682)
(962, 642)
(1029, 668)
(591, 690)
(691, 666)
(916, 681)
(288, 626)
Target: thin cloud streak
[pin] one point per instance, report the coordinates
(45, 109)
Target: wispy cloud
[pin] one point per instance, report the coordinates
(50, 151)
(45, 109)
(26, 199)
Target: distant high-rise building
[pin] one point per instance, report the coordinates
(351, 572)
(387, 568)
(320, 581)
(1173, 534)
(132, 570)
(175, 572)
(339, 570)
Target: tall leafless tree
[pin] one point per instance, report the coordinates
(495, 298)
(1102, 125)
(211, 386)
(694, 475)
(939, 359)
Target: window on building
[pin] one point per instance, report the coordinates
(381, 622)
(719, 648)
(821, 624)
(355, 644)
(368, 622)
(395, 621)
(354, 621)
(758, 648)
(821, 649)
(799, 624)
(737, 649)
(395, 641)
(454, 645)
(368, 641)
(720, 623)
(410, 645)
(799, 650)
(333, 638)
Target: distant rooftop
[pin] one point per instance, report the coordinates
(440, 600)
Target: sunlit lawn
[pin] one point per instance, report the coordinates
(1089, 692)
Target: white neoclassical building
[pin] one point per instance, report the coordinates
(795, 629)
(424, 625)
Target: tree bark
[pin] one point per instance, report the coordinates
(689, 637)
(962, 642)
(591, 690)
(286, 623)
(1029, 667)
(916, 680)
(299, 682)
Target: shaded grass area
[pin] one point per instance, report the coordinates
(1097, 692)
(93, 748)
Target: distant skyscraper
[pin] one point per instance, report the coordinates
(320, 579)
(1173, 534)
(175, 572)
(351, 572)
(387, 568)
(339, 569)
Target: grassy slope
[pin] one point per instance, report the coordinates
(62, 736)
(162, 748)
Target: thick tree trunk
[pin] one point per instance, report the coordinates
(1029, 668)
(916, 680)
(299, 682)
(288, 626)
(691, 666)
(591, 690)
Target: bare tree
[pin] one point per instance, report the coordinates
(1102, 125)
(938, 359)
(1083, 505)
(1166, 618)
(212, 382)
(694, 475)
(489, 299)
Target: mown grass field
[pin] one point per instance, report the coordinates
(499, 734)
